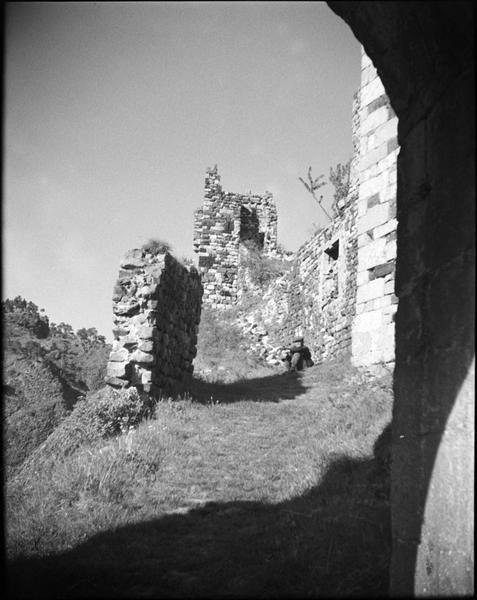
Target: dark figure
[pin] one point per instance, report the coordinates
(298, 356)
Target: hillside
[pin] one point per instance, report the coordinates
(47, 367)
(270, 486)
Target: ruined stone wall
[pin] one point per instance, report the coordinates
(316, 298)
(339, 293)
(321, 289)
(225, 223)
(156, 306)
(376, 304)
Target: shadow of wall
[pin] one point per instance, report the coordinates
(334, 540)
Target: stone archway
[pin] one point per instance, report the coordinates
(423, 52)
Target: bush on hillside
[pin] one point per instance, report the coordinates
(104, 413)
(117, 410)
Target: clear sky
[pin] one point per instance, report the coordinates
(113, 111)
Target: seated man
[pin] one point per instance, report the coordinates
(299, 356)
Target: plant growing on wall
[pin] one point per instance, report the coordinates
(312, 186)
(156, 246)
(339, 178)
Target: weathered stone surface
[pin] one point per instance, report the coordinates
(223, 225)
(116, 369)
(126, 309)
(145, 332)
(146, 345)
(152, 334)
(142, 357)
(119, 355)
(134, 258)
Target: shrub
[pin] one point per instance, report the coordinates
(223, 351)
(104, 413)
(156, 246)
(264, 269)
(117, 410)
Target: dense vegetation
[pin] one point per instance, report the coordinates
(47, 367)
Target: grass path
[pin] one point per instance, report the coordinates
(265, 488)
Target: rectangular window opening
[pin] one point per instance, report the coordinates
(334, 250)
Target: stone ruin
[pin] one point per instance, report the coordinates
(339, 292)
(156, 306)
(226, 227)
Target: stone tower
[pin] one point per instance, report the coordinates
(226, 224)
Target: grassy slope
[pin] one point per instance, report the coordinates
(267, 487)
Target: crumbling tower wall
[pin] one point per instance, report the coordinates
(156, 306)
(225, 224)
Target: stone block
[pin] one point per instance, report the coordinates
(372, 254)
(120, 355)
(374, 154)
(362, 278)
(367, 321)
(371, 121)
(390, 250)
(384, 229)
(133, 259)
(368, 73)
(384, 133)
(126, 309)
(146, 377)
(371, 91)
(375, 216)
(145, 332)
(389, 287)
(370, 291)
(373, 185)
(146, 345)
(116, 369)
(364, 239)
(382, 302)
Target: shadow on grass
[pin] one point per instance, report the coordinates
(272, 388)
(334, 540)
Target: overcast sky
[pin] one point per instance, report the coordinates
(114, 111)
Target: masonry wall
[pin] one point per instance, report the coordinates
(424, 53)
(346, 304)
(376, 303)
(321, 289)
(156, 306)
(316, 297)
(225, 223)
